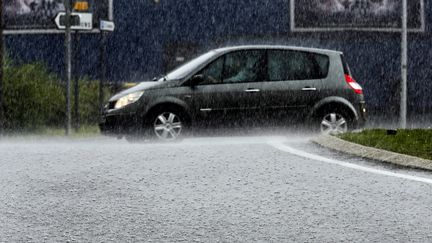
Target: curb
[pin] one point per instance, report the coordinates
(343, 146)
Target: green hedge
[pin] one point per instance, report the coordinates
(35, 99)
(32, 98)
(89, 101)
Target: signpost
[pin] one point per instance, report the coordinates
(404, 67)
(2, 119)
(104, 26)
(68, 62)
(79, 21)
(76, 64)
(71, 21)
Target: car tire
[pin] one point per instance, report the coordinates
(333, 122)
(167, 125)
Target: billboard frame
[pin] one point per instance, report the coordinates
(293, 27)
(57, 31)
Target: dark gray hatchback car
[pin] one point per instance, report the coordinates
(236, 85)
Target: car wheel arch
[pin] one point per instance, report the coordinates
(334, 102)
(168, 104)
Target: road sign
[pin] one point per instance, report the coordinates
(107, 25)
(80, 21)
(36, 16)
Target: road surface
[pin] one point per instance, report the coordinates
(210, 189)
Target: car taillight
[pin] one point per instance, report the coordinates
(353, 84)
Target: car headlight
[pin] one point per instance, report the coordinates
(128, 99)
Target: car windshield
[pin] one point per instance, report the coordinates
(186, 68)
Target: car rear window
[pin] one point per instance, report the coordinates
(296, 65)
(346, 68)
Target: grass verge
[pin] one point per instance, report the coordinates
(83, 132)
(416, 142)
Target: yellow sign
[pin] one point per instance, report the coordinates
(81, 6)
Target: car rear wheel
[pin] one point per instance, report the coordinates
(334, 123)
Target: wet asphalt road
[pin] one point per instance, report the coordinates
(216, 189)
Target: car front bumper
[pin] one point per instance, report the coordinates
(118, 124)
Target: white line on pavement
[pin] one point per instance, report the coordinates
(281, 146)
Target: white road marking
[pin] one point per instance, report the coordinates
(281, 146)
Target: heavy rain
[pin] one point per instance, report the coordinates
(215, 121)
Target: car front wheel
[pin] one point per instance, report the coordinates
(168, 126)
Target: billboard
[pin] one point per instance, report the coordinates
(37, 16)
(366, 15)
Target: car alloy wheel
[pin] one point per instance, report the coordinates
(334, 123)
(167, 126)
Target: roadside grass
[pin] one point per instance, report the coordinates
(417, 142)
(84, 132)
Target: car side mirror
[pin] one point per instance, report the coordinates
(195, 80)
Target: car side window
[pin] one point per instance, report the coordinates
(296, 65)
(244, 66)
(213, 72)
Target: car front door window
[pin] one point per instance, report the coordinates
(245, 66)
(213, 72)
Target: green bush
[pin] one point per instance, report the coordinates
(34, 99)
(89, 101)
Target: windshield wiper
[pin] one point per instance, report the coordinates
(157, 78)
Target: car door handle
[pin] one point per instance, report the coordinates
(309, 89)
(252, 90)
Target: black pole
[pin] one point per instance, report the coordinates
(76, 81)
(68, 64)
(102, 77)
(2, 117)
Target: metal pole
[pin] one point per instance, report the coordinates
(102, 58)
(102, 67)
(110, 10)
(2, 118)
(404, 67)
(76, 82)
(68, 64)
(110, 18)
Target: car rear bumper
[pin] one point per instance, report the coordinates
(362, 115)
